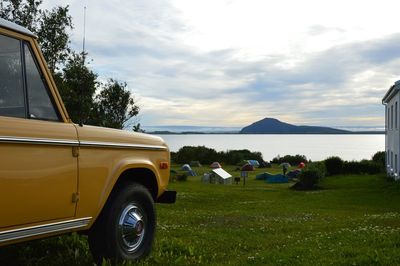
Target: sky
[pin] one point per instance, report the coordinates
(229, 63)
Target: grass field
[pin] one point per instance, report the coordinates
(353, 220)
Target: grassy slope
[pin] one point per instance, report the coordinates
(353, 220)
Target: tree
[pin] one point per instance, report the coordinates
(53, 36)
(137, 128)
(114, 105)
(51, 27)
(77, 85)
(23, 12)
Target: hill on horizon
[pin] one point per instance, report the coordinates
(274, 126)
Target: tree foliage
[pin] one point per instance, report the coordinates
(77, 85)
(51, 27)
(292, 159)
(234, 157)
(206, 155)
(23, 12)
(379, 157)
(114, 105)
(53, 35)
(335, 165)
(137, 128)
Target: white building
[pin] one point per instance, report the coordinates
(391, 100)
(217, 176)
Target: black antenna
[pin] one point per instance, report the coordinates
(83, 59)
(84, 33)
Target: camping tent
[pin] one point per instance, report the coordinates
(254, 163)
(270, 178)
(247, 167)
(215, 165)
(188, 170)
(186, 167)
(278, 178)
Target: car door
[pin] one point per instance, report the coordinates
(38, 163)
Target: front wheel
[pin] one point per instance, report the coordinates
(125, 229)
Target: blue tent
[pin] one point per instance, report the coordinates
(186, 167)
(278, 178)
(262, 176)
(254, 163)
(270, 178)
(188, 170)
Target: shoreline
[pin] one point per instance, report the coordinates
(238, 133)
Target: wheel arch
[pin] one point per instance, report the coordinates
(143, 174)
(140, 175)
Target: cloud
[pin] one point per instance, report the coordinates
(346, 81)
(152, 46)
(320, 29)
(323, 87)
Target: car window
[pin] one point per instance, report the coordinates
(12, 99)
(39, 100)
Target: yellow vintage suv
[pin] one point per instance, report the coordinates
(58, 177)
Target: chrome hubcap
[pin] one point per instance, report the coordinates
(131, 227)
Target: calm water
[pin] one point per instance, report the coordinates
(315, 147)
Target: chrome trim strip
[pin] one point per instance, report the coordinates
(60, 142)
(122, 145)
(43, 229)
(66, 142)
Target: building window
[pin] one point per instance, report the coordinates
(395, 163)
(391, 117)
(387, 120)
(391, 159)
(395, 115)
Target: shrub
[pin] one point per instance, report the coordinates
(234, 157)
(379, 158)
(181, 177)
(351, 167)
(292, 159)
(207, 156)
(308, 180)
(190, 153)
(310, 176)
(318, 167)
(334, 165)
(362, 167)
(372, 167)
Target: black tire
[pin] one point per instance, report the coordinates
(126, 226)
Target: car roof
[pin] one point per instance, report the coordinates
(15, 27)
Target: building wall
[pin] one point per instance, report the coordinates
(392, 145)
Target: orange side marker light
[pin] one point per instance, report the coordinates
(164, 165)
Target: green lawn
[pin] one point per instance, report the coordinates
(353, 220)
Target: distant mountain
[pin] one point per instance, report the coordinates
(274, 126)
(189, 129)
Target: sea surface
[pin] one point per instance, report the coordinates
(314, 147)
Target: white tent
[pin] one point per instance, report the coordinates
(219, 176)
